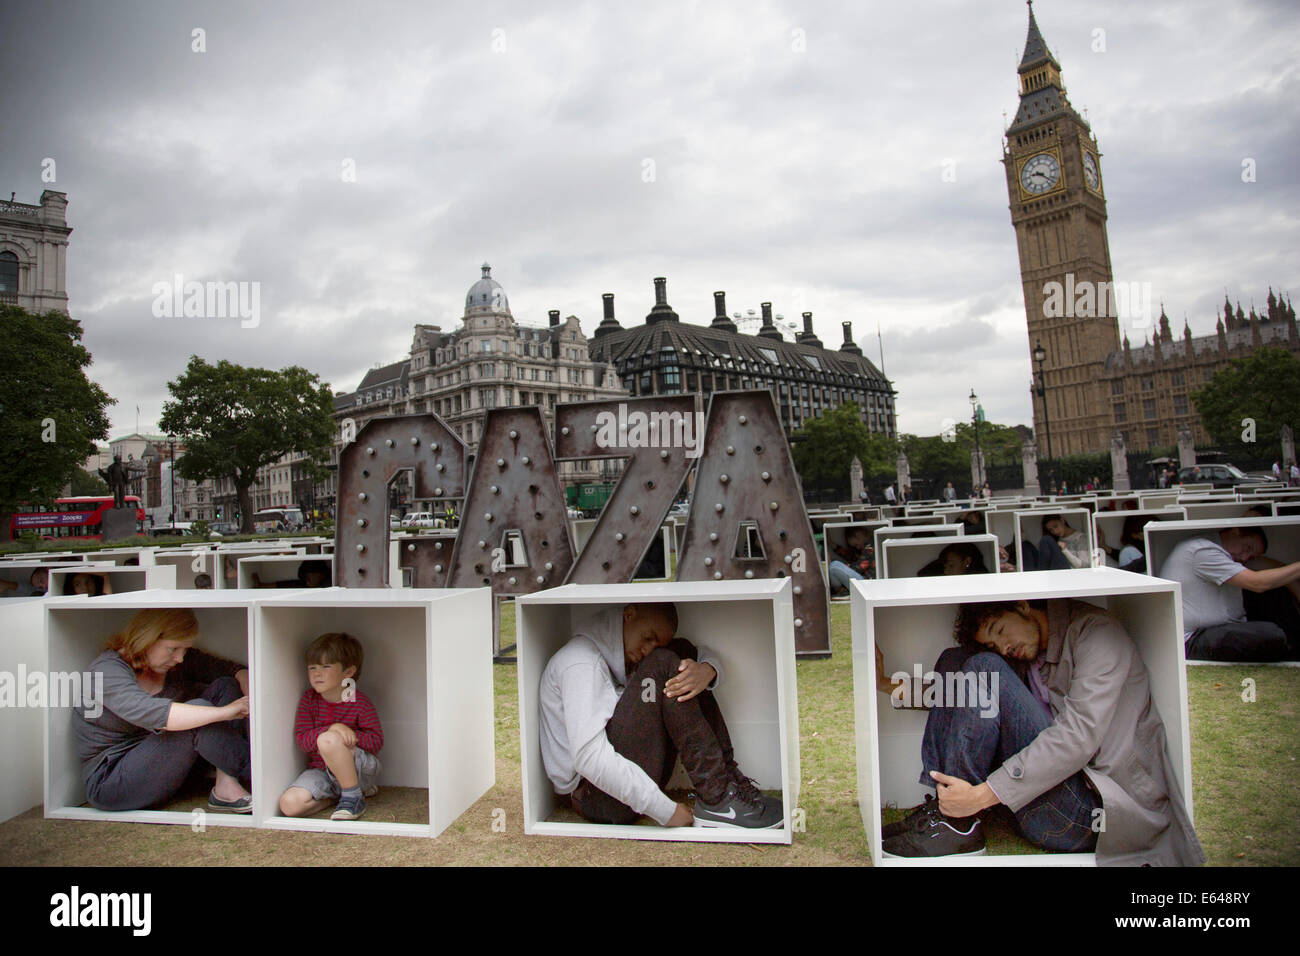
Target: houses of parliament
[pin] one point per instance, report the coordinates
(1090, 383)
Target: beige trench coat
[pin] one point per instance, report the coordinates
(1105, 724)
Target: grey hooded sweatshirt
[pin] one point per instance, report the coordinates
(581, 686)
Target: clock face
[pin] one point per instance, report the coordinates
(1090, 172)
(1040, 174)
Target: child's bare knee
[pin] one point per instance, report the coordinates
(294, 801)
(329, 740)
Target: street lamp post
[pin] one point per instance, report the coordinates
(171, 468)
(979, 457)
(1040, 355)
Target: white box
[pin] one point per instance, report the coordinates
(750, 624)
(76, 629)
(20, 572)
(279, 570)
(229, 557)
(1283, 536)
(427, 668)
(911, 531)
(1110, 524)
(1029, 527)
(22, 652)
(833, 535)
(1225, 509)
(120, 556)
(120, 579)
(905, 557)
(911, 620)
(189, 565)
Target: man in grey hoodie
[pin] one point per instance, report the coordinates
(612, 752)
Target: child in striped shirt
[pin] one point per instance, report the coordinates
(338, 728)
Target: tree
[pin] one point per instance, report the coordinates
(1263, 387)
(825, 447)
(85, 483)
(51, 414)
(233, 420)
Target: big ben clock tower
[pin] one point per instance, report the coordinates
(1058, 209)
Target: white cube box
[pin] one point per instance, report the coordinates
(922, 531)
(833, 536)
(20, 573)
(141, 557)
(912, 620)
(279, 570)
(1197, 511)
(750, 624)
(905, 557)
(1029, 527)
(189, 565)
(120, 579)
(1283, 535)
(22, 653)
(229, 556)
(1110, 524)
(427, 668)
(76, 630)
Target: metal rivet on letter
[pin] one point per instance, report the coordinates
(724, 479)
(664, 455)
(618, 536)
(526, 460)
(749, 574)
(766, 476)
(718, 506)
(798, 622)
(564, 430)
(731, 449)
(438, 568)
(370, 451)
(414, 440)
(363, 496)
(410, 547)
(487, 516)
(717, 575)
(798, 590)
(361, 547)
(513, 433)
(635, 510)
(361, 522)
(743, 420)
(773, 505)
(501, 462)
(708, 562)
(512, 581)
(389, 442)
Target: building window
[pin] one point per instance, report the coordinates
(1153, 437)
(1147, 383)
(1180, 405)
(9, 273)
(486, 345)
(1121, 412)
(1117, 387)
(645, 384)
(1177, 378)
(1149, 408)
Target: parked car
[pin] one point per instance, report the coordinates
(419, 519)
(1221, 476)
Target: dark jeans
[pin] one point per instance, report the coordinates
(1271, 632)
(152, 771)
(651, 733)
(1046, 556)
(961, 743)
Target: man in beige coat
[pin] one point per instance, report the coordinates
(1075, 747)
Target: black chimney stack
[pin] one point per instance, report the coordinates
(662, 311)
(808, 336)
(849, 345)
(769, 330)
(608, 323)
(554, 316)
(720, 320)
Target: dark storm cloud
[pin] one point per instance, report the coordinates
(839, 158)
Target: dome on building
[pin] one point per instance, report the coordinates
(486, 295)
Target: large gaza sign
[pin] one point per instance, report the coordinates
(747, 516)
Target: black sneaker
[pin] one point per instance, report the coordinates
(739, 807)
(349, 808)
(930, 833)
(909, 820)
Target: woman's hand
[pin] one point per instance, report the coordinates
(683, 816)
(235, 709)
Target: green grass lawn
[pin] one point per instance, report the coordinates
(1247, 804)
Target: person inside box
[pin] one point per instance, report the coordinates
(960, 557)
(854, 560)
(1060, 548)
(168, 709)
(1238, 604)
(974, 522)
(312, 573)
(37, 584)
(92, 585)
(619, 703)
(338, 728)
(1074, 746)
(1131, 555)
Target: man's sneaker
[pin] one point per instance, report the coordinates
(349, 808)
(930, 833)
(909, 820)
(741, 807)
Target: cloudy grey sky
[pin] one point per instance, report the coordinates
(780, 151)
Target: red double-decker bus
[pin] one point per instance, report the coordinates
(71, 519)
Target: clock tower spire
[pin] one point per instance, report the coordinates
(1058, 210)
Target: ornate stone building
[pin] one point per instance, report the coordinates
(1092, 385)
(667, 356)
(490, 361)
(34, 253)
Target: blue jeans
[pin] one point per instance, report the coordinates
(960, 743)
(1046, 556)
(841, 574)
